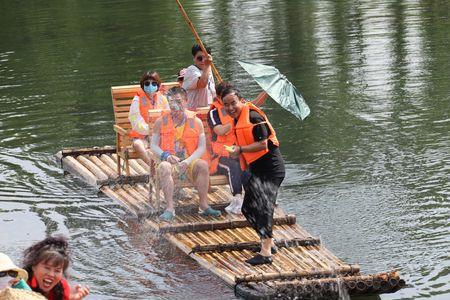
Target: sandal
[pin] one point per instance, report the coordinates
(258, 259)
(167, 216)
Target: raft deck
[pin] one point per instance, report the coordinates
(302, 267)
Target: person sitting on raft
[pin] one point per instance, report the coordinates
(179, 141)
(222, 135)
(148, 97)
(257, 147)
(46, 263)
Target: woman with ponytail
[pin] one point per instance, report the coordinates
(46, 263)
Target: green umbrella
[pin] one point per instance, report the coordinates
(278, 87)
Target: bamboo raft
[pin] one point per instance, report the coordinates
(303, 268)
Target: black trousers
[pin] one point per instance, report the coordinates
(231, 168)
(259, 202)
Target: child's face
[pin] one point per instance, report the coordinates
(47, 275)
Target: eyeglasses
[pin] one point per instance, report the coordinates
(147, 83)
(10, 273)
(200, 58)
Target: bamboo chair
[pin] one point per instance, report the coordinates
(121, 100)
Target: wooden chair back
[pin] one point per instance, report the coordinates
(122, 96)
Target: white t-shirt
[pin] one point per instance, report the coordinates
(198, 97)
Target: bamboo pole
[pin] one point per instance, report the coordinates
(359, 284)
(137, 167)
(115, 158)
(90, 151)
(197, 39)
(128, 199)
(252, 245)
(111, 173)
(190, 209)
(142, 163)
(296, 274)
(93, 168)
(73, 166)
(107, 160)
(121, 180)
(220, 225)
(112, 194)
(136, 195)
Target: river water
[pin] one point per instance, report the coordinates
(368, 171)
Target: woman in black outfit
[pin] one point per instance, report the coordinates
(258, 150)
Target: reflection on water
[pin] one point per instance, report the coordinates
(368, 171)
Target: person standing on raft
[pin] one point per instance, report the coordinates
(258, 149)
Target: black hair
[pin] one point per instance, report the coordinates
(54, 249)
(150, 75)
(196, 48)
(231, 90)
(221, 87)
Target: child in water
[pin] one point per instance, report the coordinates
(46, 263)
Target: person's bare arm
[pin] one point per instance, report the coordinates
(254, 147)
(203, 80)
(222, 129)
(154, 144)
(201, 148)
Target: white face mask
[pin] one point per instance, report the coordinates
(4, 282)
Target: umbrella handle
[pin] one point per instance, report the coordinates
(198, 40)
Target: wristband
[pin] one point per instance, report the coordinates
(165, 155)
(240, 149)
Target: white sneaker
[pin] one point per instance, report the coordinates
(238, 200)
(229, 208)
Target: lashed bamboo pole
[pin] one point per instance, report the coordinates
(115, 158)
(113, 195)
(190, 209)
(237, 246)
(137, 167)
(107, 160)
(133, 179)
(139, 198)
(89, 151)
(220, 225)
(299, 264)
(359, 284)
(197, 39)
(73, 166)
(227, 258)
(227, 277)
(142, 163)
(93, 168)
(129, 200)
(104, 167)
(352, 269)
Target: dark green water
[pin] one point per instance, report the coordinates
(368, 171)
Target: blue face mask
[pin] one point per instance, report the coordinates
(150, 89)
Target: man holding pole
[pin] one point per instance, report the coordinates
(198, 79)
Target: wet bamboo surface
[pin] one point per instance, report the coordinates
(222, 244)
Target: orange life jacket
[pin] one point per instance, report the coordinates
(145, 103)
(189, 138)
(244, 134)
(32, 282)
(229, 139)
